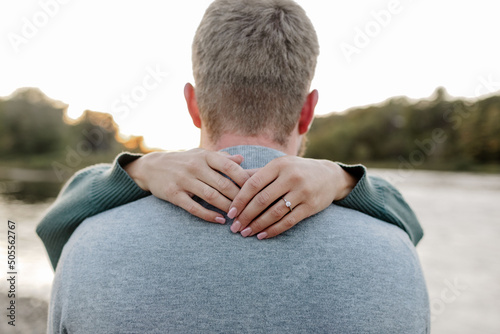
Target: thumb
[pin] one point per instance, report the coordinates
(238, 158)
(251, 172)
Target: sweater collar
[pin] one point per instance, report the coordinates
(255, 156)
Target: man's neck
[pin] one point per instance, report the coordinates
(229, 140)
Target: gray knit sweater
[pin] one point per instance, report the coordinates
(151, 267)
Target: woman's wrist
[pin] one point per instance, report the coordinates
(135, 170)
(344, 182)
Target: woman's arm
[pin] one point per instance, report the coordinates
(310, 185)
(171, 176)
(90, 191)
(103, 187)
(378, 198)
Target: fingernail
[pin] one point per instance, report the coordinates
(232, 213)
(235, 227)
(246, 232)
(220, 220)
(262, 235)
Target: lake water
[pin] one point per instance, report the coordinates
(460, 252)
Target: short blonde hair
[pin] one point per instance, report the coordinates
(253, 62)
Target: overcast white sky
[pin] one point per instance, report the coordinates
(99, 55)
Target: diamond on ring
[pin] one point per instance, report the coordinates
(288, 204)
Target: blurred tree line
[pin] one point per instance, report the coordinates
(36, 133)
(439, 133)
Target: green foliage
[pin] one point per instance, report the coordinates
(29, 124)
(34, 134)
(439, 133)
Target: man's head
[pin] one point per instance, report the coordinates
(253, 62)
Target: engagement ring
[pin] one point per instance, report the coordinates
(288, 204)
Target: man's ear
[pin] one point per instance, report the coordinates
(307, 113)
(192, 105)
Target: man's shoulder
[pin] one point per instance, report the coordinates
(149, 207)
(344, 222)
(157, 216)
(338, 262)
(128, 219)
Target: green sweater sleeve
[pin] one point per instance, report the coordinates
(102, 187)
(378, 198)
(90, 191)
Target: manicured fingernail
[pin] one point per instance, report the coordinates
(262, 235)
(232, 213)
(220, 220)
(235, 227)
(246, 232)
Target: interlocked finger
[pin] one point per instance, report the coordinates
(186, 202)
(298, 214)
(226, 166)
(209, 195)
(221, 184)
(271, 216)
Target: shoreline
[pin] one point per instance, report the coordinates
(28, 175)
(31, 316)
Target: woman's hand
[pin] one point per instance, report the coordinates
(308, 185)
(178, 176)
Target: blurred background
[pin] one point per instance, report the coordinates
(409, 88)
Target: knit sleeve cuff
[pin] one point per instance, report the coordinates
(378, 198)
(364, 197)
(115, 187)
